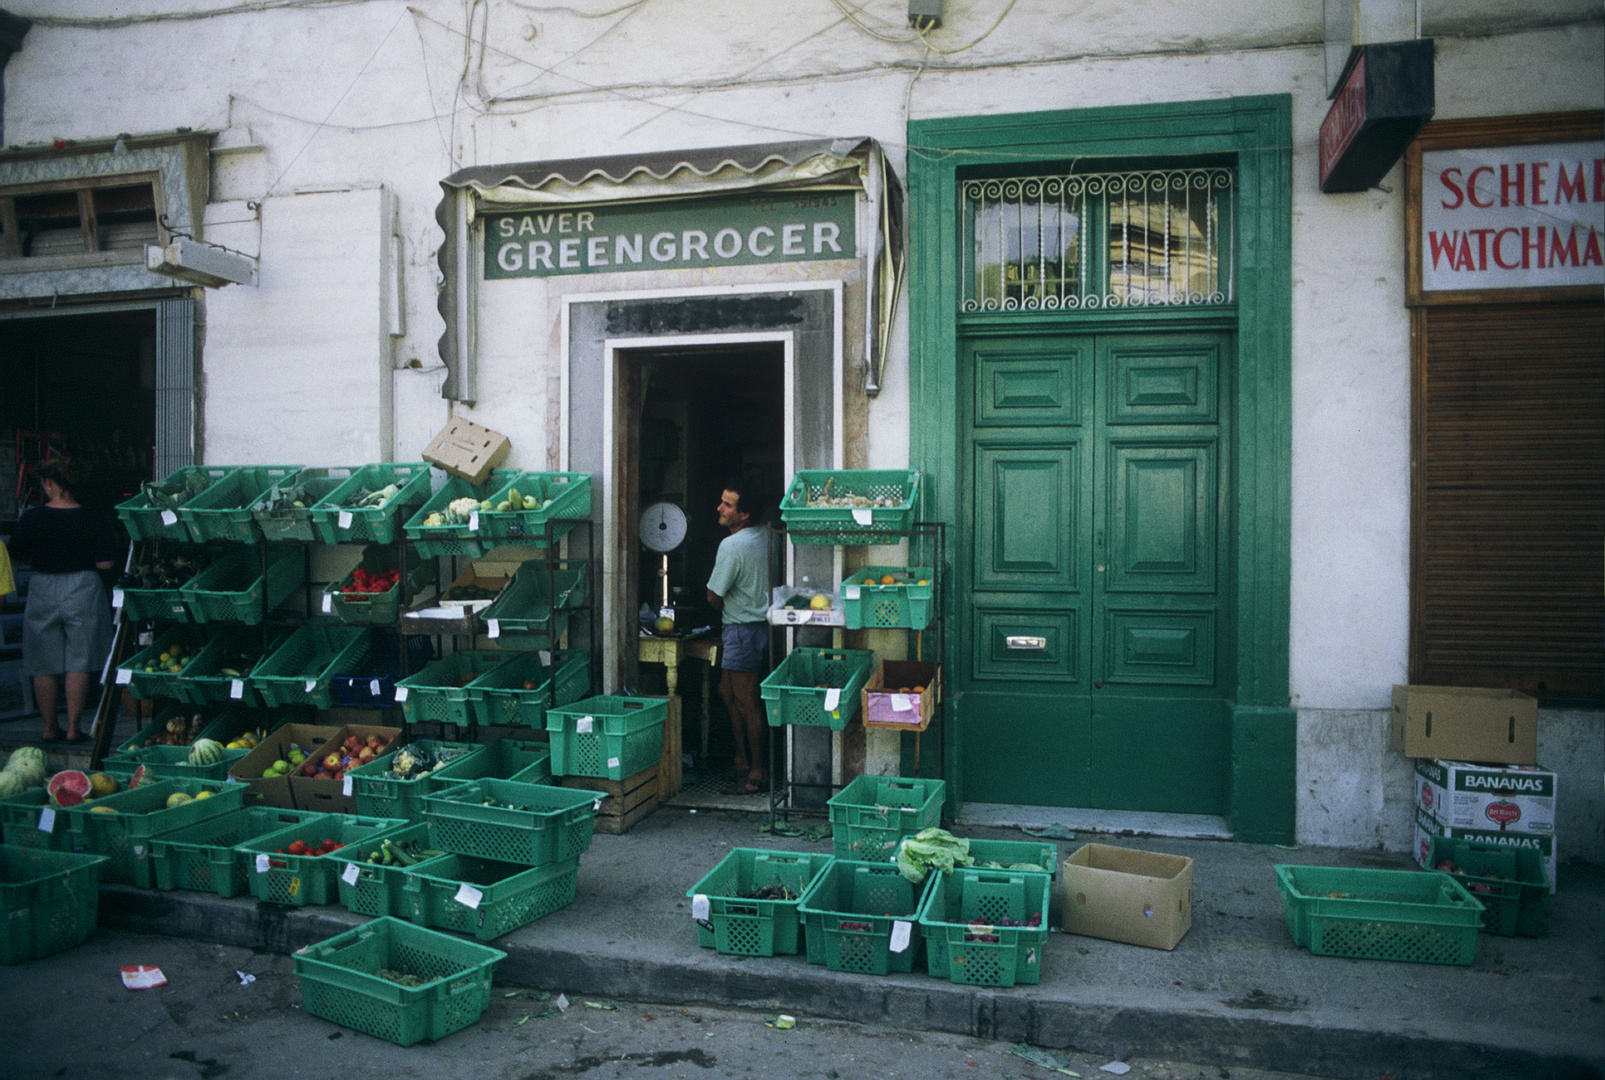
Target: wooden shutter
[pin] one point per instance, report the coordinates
(1509, 499)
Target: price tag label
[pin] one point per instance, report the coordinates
(124, 676)
(493, 628)
(345, 785)
(612, 762)
(375, 689)
(473, 521)
(700, 906)
(596, 806)
(117, 598)
(47, 819)
(169, 518)
(261, 864)
(312, 686)
(328, 603)
(833, 698)
(863, 515)
(401, 694)
(350, 873)
(236, 689)
(344, 519)
(584, 724)
(468, 896)
(901, 930)
(851, 591)
(546, 657)
(139, 851)
(901, 703)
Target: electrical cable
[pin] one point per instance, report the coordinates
(988, 33)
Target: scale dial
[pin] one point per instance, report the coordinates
(662, 527)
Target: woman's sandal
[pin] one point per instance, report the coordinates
(51, 736)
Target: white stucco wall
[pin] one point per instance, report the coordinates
(344, 100)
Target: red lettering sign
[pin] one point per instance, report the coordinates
(1344, 120)
(1502, 812)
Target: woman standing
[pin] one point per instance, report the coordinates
(66, 625)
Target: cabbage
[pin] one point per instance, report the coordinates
(931, 849)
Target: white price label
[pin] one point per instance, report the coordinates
(375, 689)
(117, 598)
(345, 785)
(312, 686)
(169, 518)
(468, 896)
(584, 724)
(345, 519)
(328, 603)
(351, 873)
(851, 591)
(401, 694)
(473, 521)
(700, 906)
(612, 762)
(236, 689)
(261, 864)
(833, 698)
(493, 628)
(124, 676)
(546, 657)
(139, 851)
(863, 515)
(47, 819)
(901, 931)
(901, 703)
(596, 806)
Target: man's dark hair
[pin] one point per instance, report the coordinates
(751, 498)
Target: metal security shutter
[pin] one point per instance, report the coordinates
(1509, 499)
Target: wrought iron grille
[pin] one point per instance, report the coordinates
(1098, 240)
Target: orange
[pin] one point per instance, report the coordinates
(887, 579)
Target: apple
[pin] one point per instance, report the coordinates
(332, 761)
(366, 753)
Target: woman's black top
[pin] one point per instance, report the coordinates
(54, 540)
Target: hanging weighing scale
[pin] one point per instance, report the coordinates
(663, 527)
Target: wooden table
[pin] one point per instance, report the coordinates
(670, 651)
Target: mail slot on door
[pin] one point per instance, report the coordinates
(1025, 641)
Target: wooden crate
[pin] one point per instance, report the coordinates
(624, 802)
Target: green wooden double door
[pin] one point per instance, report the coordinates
(1092, 572)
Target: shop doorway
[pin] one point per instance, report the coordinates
(699, 415)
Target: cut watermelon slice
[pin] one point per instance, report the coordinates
(68, 787)
(140, 777)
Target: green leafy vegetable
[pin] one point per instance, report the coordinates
(931, 849)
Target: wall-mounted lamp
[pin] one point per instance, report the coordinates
(200, 263)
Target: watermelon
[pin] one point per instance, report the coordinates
(11, 783)
(68, 787)
(29, 763)
(205, 752)
(140, 777)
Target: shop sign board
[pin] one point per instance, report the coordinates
(1385, 98)
(772, 227)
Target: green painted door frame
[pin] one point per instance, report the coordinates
(1257, 131)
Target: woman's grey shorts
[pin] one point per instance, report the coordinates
(66, 625)
(744, 646)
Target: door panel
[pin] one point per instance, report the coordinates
(1027, 644)
(1030, 382)
(1161, 518)
(1027, 495)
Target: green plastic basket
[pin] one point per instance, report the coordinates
(608, 737)
(141, 814)
(517, 693)
(232, 649)
(849, 913)
(173, 763)
(146, 522)
(143, 684)
(340, 981)
(158, 725)
(339, 523)
(1009, 854)
(374, 609)
(298, 671)
(290, 522)
(299, 880)
(376, 889)
(533, 824)
(740, 924)
(439, 693)
(905, 605)
(524, 761)
(509, 895)
(964, 944)
(379, 795)
(872, 814)
(567, 498)
(202, 857)
(20, 821)
(455, 540)
(142, 604)
(1510, 882)
(223, 510)
(1417, 916)
(793, 693)
(889, 498)
(49, 901)
(533, 607)
(237, 589)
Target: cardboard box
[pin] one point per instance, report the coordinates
(1139, 897)
(1468, 796)
(275, 791)
(887, 706)
(333, 796)
(1462, 723)
(450, 613)
(1427, 827)
(465, 449)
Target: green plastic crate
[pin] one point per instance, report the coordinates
(161, 683)
(455, 540)
(49, 901)
(141, 814)
(299, 670)
(378, 795)
(158, 725)
(280, 522)
(142, 604)
(501, 696)
(1006, 854)
(608, 737)
(202, 857)
(567, 498)
(146, 522)
(510, 895)
(1422, 917)
(534, 824)
(338, 523)
(173, 763)
(792, 693)
(963, 942)
(849, 913)
(240, 649)
(340, 981)
(375, 889)
(439, 693)
(872, 814)
(533, 607)
(739, 924)
(375, 609)
(1510, 882)
(906, 605)
(299, 880)
(891, 498)
(524, 761)
(237, 589)
(20, 821)
(223, 510)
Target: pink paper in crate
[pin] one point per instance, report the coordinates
(902, 695)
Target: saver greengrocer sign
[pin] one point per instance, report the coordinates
(775, 227)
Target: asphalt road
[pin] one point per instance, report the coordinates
(69, 1016)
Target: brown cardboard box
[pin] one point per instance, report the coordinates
(275, 791)
(465, 449)
(1139, 897)
(1465, 723)
(330, 796)
(879, 708)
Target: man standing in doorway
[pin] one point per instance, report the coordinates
(739, 591)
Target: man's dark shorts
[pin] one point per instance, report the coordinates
(743, 646)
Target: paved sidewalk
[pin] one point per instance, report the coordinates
(1236, 991)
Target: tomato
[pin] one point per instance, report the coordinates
(297, 847)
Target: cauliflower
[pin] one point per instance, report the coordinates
(463, 506)
(406, 762)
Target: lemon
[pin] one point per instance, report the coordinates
(202, 794)
(102, 809)
(820, 603)
(177, 798)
